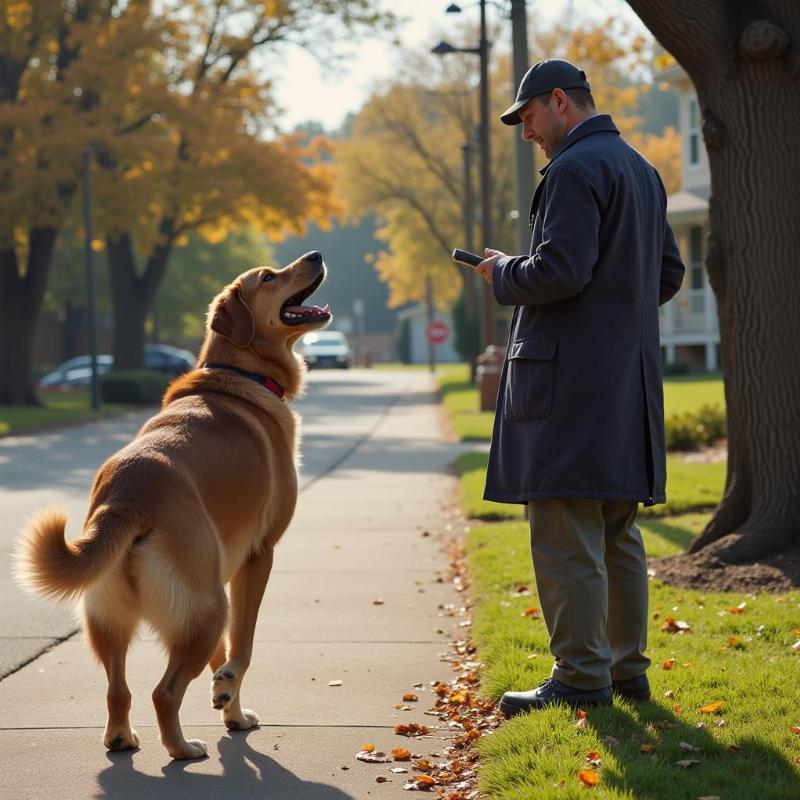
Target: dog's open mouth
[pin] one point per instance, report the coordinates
(293, 312)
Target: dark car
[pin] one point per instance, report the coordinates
(165, 358)
(78, 371)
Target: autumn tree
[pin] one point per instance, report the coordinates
(213, 157)
(46, 121)
(182, 123)
(744, 61)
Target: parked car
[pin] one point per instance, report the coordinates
(77, 371)
(326, 349)
(165, 358)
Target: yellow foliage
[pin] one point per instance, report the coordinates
(664, 152)
(403, 162)
(178, 143)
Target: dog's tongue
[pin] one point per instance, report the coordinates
(316, 310)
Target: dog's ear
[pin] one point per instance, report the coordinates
(232, 318)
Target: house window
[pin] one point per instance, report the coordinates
(693, 132)
(696, 257)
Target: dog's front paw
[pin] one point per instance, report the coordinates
(242, 721)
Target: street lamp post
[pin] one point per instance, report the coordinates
(523, 152)
(489, 333)
(482, 51)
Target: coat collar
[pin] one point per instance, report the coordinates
(600, 123)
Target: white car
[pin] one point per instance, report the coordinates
(326, 349)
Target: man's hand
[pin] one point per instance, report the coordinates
(486, 267)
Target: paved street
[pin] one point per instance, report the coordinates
(374, 478)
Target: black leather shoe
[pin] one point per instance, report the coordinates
(553, 692)
(637, 688)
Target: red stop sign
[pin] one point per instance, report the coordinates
(437, 332)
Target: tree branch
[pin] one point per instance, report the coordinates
(687, 28)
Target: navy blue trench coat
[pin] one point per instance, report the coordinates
(580, 411)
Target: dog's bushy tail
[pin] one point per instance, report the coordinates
(48, 565)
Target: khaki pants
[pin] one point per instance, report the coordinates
(591, 575)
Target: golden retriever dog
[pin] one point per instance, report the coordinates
(196, 501)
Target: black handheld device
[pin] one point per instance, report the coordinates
(465, 257)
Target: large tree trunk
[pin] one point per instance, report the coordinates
(743, 60)
(20, 303)
(132, 295)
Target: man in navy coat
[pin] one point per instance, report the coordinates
(579, 427)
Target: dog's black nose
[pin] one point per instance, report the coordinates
(314, 256)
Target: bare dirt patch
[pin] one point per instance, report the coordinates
(775, 573)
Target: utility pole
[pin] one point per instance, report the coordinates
(90, 288)
(523, 151)
(469, 240)
(487, 235)
(431, 313)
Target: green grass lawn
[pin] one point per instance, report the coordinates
(460, 399)
(396, 366)
(681, 394)
(690, 486)
(58, 409)
(744, 661)
(690, 392)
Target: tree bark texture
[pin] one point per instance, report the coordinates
(743, 57)
(21, 296)
(133, 294)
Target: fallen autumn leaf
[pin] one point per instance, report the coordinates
(588, 778)
(377, 757)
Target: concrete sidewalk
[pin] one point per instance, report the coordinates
(357, 538)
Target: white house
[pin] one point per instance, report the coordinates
(417, 317)
(689, 324)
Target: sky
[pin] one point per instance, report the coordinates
(305, 90)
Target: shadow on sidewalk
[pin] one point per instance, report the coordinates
(246, 773)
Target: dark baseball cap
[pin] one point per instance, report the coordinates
(542, 78)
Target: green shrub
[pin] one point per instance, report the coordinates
(140, 387)
(682, 432)
(696, 429)
(714, 422)
(677, 368)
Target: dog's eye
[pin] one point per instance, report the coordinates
(268, 276)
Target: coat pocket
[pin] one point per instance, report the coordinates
(529, 382)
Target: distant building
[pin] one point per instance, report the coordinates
(416, 317)
(689, 323)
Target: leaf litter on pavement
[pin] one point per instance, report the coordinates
(463, 717)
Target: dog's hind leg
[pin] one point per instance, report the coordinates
(247, 591)
(110, 642)
(187, 658)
